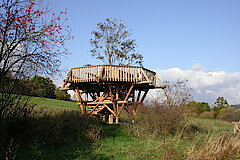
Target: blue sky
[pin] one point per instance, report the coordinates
(169, 34)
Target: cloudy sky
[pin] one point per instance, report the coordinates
(196, 40)
(206, 85)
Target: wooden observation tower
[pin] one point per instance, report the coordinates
(106, 90)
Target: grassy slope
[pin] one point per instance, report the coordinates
(53, 103)
(212, 124)
(119, 145)
(115, 143)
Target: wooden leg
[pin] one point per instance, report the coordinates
(138, 97)
(79, 100)
(116, 120)
(144, 95)
(83, 109)
(110, 119)
(125, 99)
(104, 118)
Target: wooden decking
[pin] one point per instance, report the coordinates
(110, 73)
(106, 90)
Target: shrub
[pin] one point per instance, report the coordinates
(228, 114)
(230, 117)
(189, 110)
(209, 115)
(225, 110)
(157, 121)
(65, 127)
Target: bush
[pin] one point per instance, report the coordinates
(66, 127)
(157, 121)
(61, 128)
(229, 114)
(225, 110)
(209, 115)
(230, 117)
(189, 110)
(62, 95)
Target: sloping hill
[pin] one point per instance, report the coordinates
(68, 135)
(53, 103)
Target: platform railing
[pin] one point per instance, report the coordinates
(112, 73)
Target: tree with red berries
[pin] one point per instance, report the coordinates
(31, 42)
(31, 38)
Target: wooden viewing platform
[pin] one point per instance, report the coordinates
(108, 89)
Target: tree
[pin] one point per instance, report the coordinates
(202, 107)
(112, 44)
(195, 108)
(176, 93)
(189, 109)
(31, 38)
(220, 104)
(63, 95)
(31, 42)
(42, 87)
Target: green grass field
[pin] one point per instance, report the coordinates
(117, 143)
(212, 125)
(53, 103)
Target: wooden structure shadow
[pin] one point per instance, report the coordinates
(108, 89)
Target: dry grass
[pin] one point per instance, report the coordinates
(216, 147)
(206, 114)
(157, 122)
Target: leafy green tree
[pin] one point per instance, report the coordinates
(196, 108)
(42, 87)
(202, 107)
(112, 45)
(63, 95)
(220, 103)
(25, 86)
(189, 109)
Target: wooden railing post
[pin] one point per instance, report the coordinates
(113, 73)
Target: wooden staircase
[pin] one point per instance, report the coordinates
(94, 109)
(97, 106)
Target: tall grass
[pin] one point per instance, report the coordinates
(155, 121)
(215, 147)
(52, 132)
(58, 129)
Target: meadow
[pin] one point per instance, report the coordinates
(57, 130)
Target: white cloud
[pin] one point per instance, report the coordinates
(197, 67)
(207, 86)
(210, 92)
(58, 82)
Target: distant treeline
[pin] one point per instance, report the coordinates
(40, 87)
